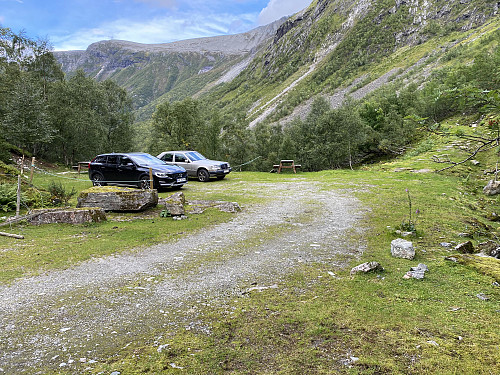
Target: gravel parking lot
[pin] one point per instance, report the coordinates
(73, 318)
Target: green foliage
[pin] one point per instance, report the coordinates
(8, 197)
(55, 119)
(177, 126)
(58, 193)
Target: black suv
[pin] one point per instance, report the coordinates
(133, 170)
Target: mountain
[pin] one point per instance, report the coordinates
(149, 71)
(334, 49)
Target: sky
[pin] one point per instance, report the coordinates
(75, 24)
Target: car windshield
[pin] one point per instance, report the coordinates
(195, 156)
(146, 159)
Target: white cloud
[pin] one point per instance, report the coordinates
(279, 8)
(159, 30)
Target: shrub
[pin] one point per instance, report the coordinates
(58, 193)
(8, 197)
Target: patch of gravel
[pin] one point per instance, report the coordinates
(73, 317)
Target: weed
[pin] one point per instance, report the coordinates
(59, 194)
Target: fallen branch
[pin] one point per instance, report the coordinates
(19, 237)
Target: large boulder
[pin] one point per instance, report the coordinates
(402, 249)
(111, 198)
(67, 216)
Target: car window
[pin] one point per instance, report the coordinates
(125, 160)
(112, 159)
(146, 159)
(168, 157)
(195, 156)
(100, 159)
(181, 158)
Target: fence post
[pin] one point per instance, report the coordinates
(18, 202)
(32, 168)
(150, 178)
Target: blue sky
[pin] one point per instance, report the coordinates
(75, 24)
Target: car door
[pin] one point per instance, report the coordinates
(181, 160)
(127, 171)
(109, 168)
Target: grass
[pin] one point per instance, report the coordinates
(315, 323)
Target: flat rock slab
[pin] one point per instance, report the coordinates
(199, 206)
(67, 216)
(111, 198)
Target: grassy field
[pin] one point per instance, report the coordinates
(316, 323)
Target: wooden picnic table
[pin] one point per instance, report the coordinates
(286, 164)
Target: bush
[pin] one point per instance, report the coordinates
(58, 193)
(8, 197)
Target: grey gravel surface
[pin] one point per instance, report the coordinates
(68, 319)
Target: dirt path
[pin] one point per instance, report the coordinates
(69, 319)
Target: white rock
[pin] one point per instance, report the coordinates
(401, 248)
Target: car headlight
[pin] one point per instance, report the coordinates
(161, 174)
(215, 167)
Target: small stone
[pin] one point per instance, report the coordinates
(492, 188)
(475, 162)
(432, 342)
(445, 244)
(465, 248)
(417, 272)
(62, 330)
(453, 259)
(401, 248)
(367, 267)
(488, 248)
(464, 235)
(482, 297)
(173, 365)
(162, 348)
(115, 373)
(63, 364)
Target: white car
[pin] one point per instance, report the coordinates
(196, 164)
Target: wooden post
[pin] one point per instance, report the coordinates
(18, 203)
(32, 168)
(150, 178)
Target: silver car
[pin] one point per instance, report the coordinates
(196, 164)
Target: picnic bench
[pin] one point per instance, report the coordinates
(81, 164)
(286, 164)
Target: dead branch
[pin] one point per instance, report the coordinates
(19, 237)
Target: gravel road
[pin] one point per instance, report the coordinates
(74, 318)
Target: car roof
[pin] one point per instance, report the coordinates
(124, 153)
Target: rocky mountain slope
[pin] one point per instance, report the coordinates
(334, 48)
(337, 48)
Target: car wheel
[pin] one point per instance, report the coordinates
(98, 179)
(221, 177)
(203, 175)
(144, 182)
